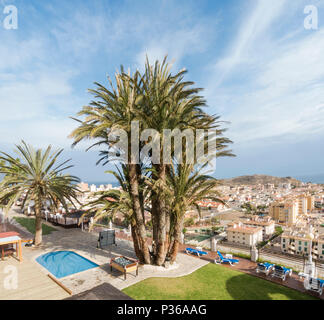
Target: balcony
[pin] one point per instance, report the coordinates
(292, 247)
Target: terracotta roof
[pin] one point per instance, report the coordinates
(244, 229)
(259, 223)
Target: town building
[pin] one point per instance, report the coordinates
(310, 202)
(266, 223)
(298, 242)
(285, 211)
(302, 204)
(93, 188)
(83, 187)
(238, 233)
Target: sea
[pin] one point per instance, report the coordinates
(313, 178)
(99, 183)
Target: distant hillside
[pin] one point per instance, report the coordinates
(260, 179)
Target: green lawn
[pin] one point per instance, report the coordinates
(29, 224)
(212, 282)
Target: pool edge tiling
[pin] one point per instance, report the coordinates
(64, 263)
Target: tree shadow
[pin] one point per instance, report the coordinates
(243, 287)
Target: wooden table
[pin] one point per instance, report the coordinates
(131, 265)
(11, 238)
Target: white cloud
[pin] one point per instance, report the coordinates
(33, 95)
(15, 53)
(40, 132)
(176, 44)
(273, 90)
(254, 28)
(288, 95)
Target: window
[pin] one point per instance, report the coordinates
(299, 249)
(299, 242)
(284, 246)
(322, 251)
(305, 249)
(305, 243)
(283, 240)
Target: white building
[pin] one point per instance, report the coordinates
(266, 223)
(93, 188)
(241, 234)
(101, 188)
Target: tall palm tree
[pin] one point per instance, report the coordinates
(158, 100)
(36, 177)
(170, 102)
(114, 108)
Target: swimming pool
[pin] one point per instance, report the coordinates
(64, 263)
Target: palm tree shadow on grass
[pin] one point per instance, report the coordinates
(245, 287)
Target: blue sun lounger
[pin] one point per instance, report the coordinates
(195, 251)
(222, 259)
(264, 267)
(281, 272)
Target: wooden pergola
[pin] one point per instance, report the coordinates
(11, 238)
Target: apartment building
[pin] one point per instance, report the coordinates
(266, 223)
(83, 187)
(285, 211)
(310, 202)
(237, 232)
(298, 242)
(302, 204)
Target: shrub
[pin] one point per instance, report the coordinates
(189, 222)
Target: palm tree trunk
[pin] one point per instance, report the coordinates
(137, 250)
(161, 229)
(155, 223)
(175, 247)
(167, 228)
(141, 195)
(140, 226)
(38, 223)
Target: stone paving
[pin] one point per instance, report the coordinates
(85, 244)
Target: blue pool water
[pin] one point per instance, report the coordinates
(64, 263)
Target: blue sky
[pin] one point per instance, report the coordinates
(261, 70)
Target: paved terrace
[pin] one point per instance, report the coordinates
(32, 283)
(84, 243)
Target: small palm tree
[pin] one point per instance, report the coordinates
(111, 202)
(186, 187)
(36, 177)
